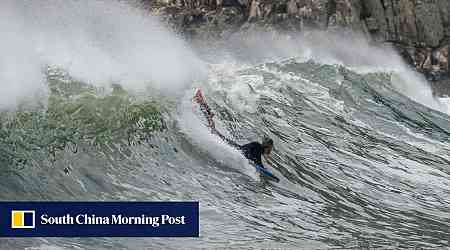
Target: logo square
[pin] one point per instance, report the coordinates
(22, 219)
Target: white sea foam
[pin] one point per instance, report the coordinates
(98, 42)
(350, 50)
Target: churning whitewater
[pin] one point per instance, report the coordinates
(361, 146)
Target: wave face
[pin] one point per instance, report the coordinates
(361, 165)
(362, 155)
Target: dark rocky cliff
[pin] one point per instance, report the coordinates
(419, 29)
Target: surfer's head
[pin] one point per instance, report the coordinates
(267, 145)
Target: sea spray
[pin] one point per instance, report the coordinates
(97, 42)
(350, 50)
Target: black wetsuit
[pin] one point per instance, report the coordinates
(253, 152)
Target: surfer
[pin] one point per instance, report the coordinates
(252, 151)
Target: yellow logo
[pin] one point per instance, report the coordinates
(22, 219)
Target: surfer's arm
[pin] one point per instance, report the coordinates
(267, 157)
(204, 107)
(206, 110)
(227, 140)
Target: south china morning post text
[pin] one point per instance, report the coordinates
(114, 219)
(99, 219)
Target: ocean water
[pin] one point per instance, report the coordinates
(96, 108)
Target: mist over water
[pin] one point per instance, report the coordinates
(104, 42)
(98, 42)
(346, 49)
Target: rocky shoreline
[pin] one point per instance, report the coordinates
(418, 29)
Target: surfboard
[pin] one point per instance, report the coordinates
(266, 173)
